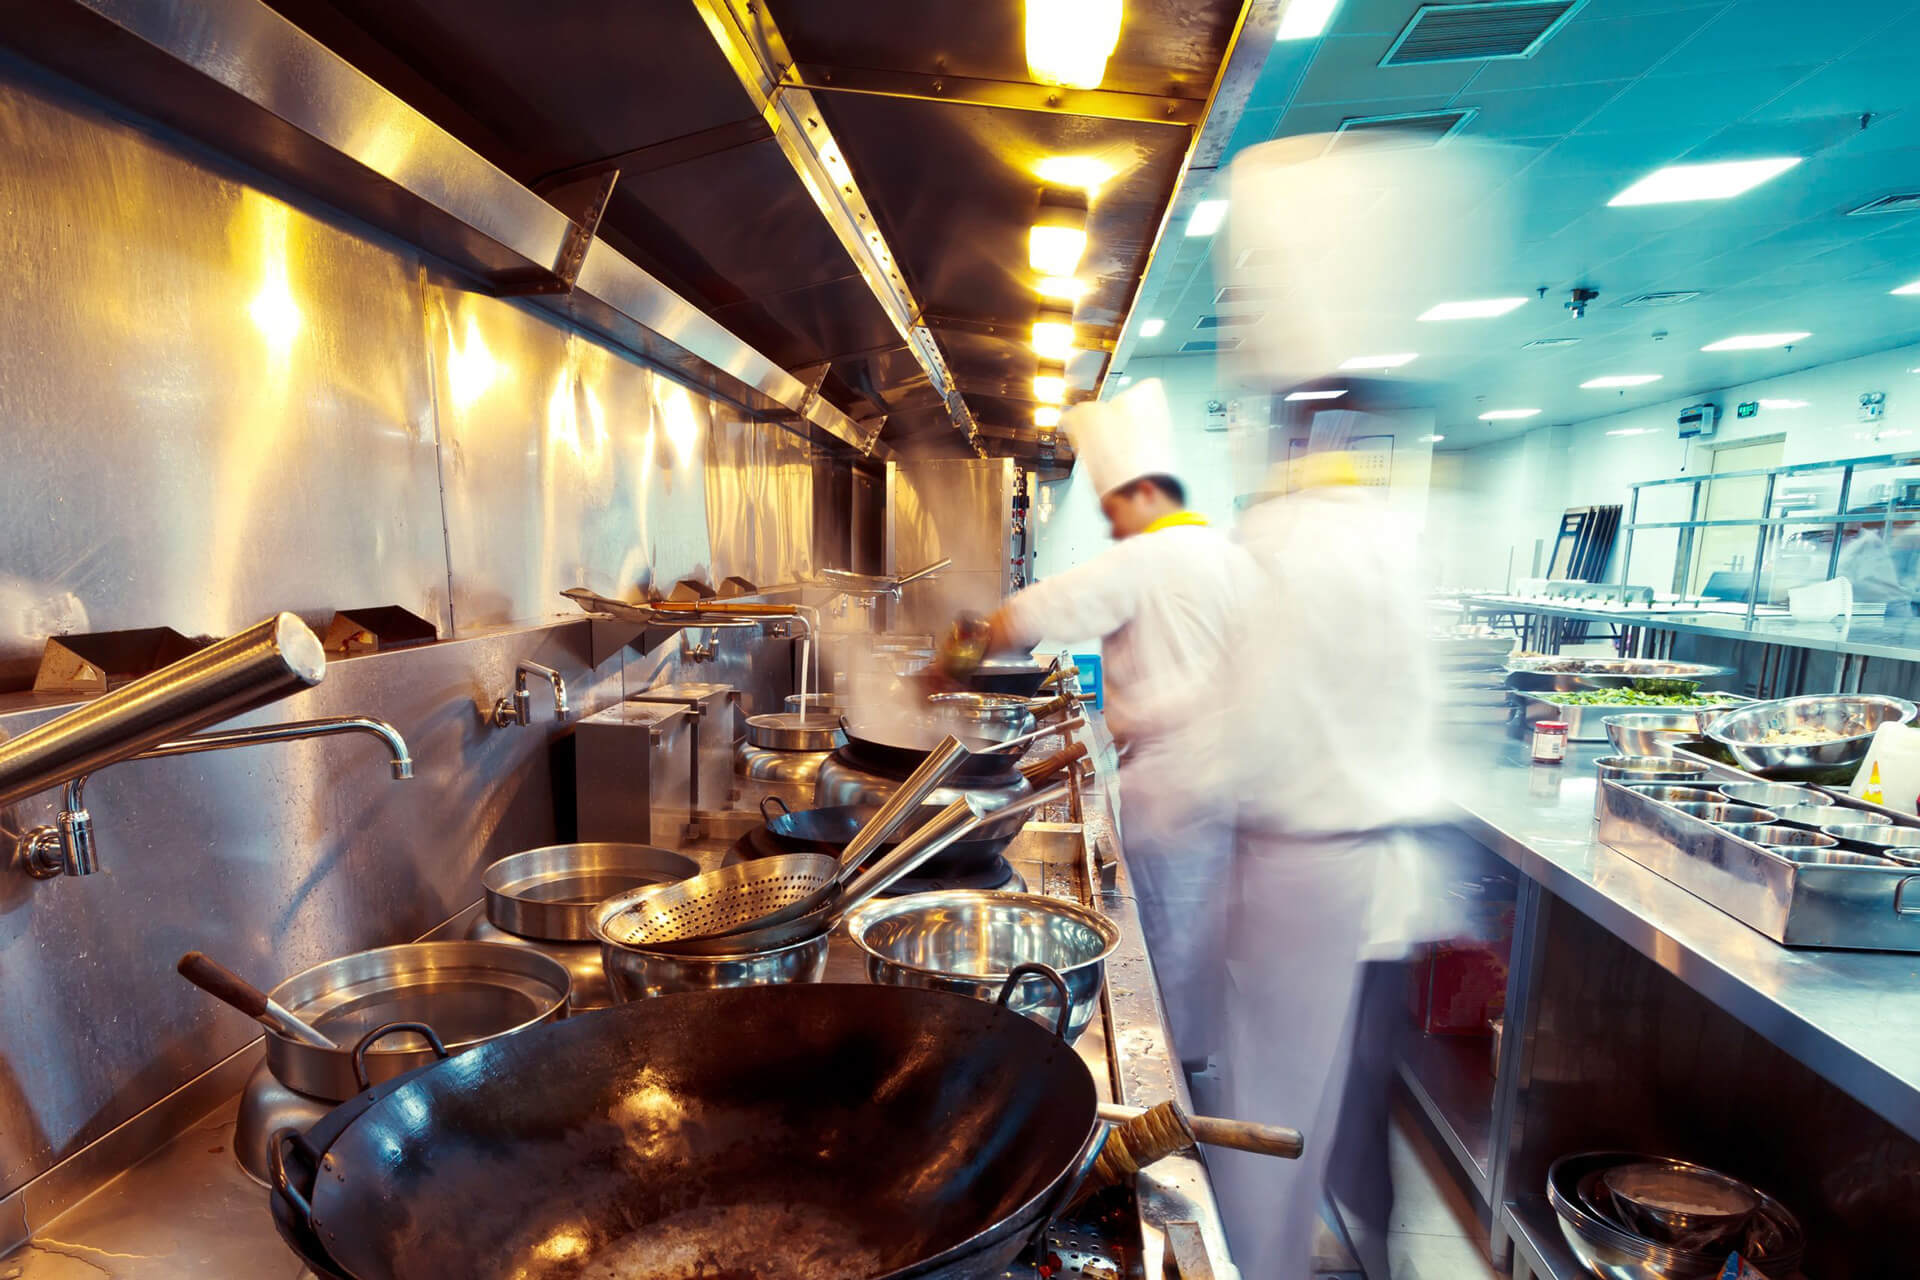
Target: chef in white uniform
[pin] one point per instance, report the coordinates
(1165, 599)
(1336, 722)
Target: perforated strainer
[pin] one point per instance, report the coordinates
(719, 902)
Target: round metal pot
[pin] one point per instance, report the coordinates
(475, 991)
(581, 960)
(636, 974)
(550, 892)
(996, 716)
(796, 731)
(970, 940)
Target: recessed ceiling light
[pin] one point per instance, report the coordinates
(1207, 217)
(1046, 415)
(1380, 362)
(1507, 415)
(1061, 288)
(1317, 395)
(1476, 310)
(1089, 173)
(1049, 388)
(1055, 251)
(1068, 41)
(1431, 439)
(1622, 380)
(1052, 337)
(1909, 288)
(1718, 181)
(1305, 19)
(1151, 327)
(1783, 404)
(1634, 431)
(1755, 341)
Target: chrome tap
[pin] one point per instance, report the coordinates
(517, 708)
(67, 848)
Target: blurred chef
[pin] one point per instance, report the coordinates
(1335, 722)
(1164, 599)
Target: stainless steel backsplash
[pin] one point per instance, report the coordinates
(217, 404)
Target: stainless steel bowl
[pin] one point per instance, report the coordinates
(1835, 857)
(550, 892)
(1647, 733)
(1775, 836)
(1854, 716)
(1674, 793)
(1722, 814)
(968, 940)
(1773, 795)
(1902, 844)
(1536, 674)
(1629, 769)
(1815, 816)
(637, 974)
(1609, 1250)
(1688, 1208)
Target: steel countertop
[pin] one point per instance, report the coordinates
(1851, 1016)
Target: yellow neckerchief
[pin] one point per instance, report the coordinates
(1174, 520)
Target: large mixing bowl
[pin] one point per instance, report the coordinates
(1852, 717)
(1648, 733)
(1612, 1252)
(1570, 675)
(968, 940)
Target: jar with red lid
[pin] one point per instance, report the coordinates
(1549, 741)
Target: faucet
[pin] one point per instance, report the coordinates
(518, 708)
(68, 847)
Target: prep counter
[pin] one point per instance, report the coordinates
(1641, 1017)
(189, 1211)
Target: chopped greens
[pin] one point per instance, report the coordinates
(1638, 697)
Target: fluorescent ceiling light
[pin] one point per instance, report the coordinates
(1431, 439)
(1151, 327)
(1727, 178)
(1089, 173)
(1622, 380)
(1062, 288)
(1317, 395)
(1633, 431)
(1305, 19)
(1068, 41)
(1046, 415)
(1207, 217)
(1908, 288)
(1783, 404)
(1380, 362)
(1755, 341)
(1507, 415)
(1056, 250)
(1477, 310)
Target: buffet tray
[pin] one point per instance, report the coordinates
(1797, 905)
(1588, 723)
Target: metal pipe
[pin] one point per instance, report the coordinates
(68, 848)
(267, 661)
(517, 707)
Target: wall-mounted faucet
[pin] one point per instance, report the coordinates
(517, 708)
(68, 847)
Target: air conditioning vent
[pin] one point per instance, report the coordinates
(1210, 344)
(1234, 293)
(1670, 299)
(1478, 32)
(1549, 342)
(1906, 202)
(1227, 322)
(1412, 131)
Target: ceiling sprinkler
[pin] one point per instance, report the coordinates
(1579, 300)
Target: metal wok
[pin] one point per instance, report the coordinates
(779, 1133)
(896, 757)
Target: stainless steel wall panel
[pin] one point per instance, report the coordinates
(960, 508)
(760, 501)
(215, 403)
(271, 858)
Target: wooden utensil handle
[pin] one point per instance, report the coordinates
(222, 983)
(1245, 1135)
(1059, 761)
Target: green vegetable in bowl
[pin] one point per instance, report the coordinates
(1661, 685)
(1637, 698)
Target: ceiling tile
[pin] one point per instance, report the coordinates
(1536, 113)
(1325, 117)
(1685, 104)
(1779, 33)
(1347, 70)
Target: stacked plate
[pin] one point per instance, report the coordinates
(1634, 1217)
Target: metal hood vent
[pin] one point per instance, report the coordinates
(1227, 322)
(1478, 32)
(1905, 202)
(1412, 131)
(1210, 344)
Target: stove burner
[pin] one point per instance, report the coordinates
(944, 872)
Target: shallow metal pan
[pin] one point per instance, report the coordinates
(550, 892)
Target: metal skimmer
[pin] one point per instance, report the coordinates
(718, 902)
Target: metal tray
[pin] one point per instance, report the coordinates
(1587, 724)
(1797, 905)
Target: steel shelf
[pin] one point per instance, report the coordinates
(1537, 1244)
(1449, 1078)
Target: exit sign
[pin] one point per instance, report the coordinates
(1747, 409)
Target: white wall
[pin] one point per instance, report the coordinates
(1501, 499)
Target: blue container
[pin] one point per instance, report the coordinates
(1089, 664)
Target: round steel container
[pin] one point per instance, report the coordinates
(581, 959)
(796, 731)
(550, 892)
(636, 974)
(994, 716)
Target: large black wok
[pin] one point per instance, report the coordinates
(762, 1133)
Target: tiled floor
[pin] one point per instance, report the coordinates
(1435, 1232)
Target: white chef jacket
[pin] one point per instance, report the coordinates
(1167, 604)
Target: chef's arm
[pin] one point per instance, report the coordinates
(1094, 598)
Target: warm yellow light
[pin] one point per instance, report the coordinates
(1052, 339)
(1046, 415)
(1089, 173)
(836, 166)
(1049, 388)
(275, 313)
(1062, 288)
(471, 367)
(1068, 41)
(1056, 250)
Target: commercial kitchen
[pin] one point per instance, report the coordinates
(494, 780)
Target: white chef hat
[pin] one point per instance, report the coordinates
(1120, 440)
